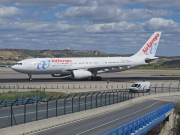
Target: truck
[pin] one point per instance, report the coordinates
(140, 87)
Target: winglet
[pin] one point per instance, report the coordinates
(150, 47)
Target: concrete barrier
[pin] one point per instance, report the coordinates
(65, 119)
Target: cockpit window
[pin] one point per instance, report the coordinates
(18, 63)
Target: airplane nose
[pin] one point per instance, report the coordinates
(14, 67)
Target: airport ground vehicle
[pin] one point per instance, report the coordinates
(140, 87)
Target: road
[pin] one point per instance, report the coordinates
(39, 111)
(33, 112)
(100, 124)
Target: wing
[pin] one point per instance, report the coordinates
(101, 67)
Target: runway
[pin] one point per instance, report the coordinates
(9, 77)
(112, 79)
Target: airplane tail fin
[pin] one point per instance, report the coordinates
(149, 48)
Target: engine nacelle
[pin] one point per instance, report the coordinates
(81, 74)
(56, 75)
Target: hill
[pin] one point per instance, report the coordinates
(172, 63)
(11, 56)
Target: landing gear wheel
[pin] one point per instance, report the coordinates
(93, 78)
(98, 78)
(30, 77)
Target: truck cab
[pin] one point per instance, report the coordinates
(140, 87)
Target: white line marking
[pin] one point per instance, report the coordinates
(35, 118)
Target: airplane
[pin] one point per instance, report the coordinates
(89, 67)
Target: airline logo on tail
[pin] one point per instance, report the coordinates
(150, 47)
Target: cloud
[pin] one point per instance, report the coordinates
(119, 3)
(152, 24)
(121, 37)
(9, 11)
(44, 3)
(155, 3)
(161, 24)
(112, 26)
(108, 13)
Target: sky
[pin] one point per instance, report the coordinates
(111, 26)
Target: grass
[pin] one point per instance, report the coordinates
(177, 111)
(30, 94)
(152, 67)
(165, 75)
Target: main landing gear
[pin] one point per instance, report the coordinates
(30, 77)
(96, 78)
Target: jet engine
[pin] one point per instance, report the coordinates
(56, 75)
(80, 74)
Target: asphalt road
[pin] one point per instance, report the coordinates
(100, 124)
(69, 80)
(39, 111)
(7, 75)
(44, 110)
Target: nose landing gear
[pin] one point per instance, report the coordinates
(30, 77)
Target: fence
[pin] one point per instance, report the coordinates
(18, 88)
(68, 86)
(104, 86)
(70, 103)
(74, 86)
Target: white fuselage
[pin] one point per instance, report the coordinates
(64, 66)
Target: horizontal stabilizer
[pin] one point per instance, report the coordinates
(151, 60)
